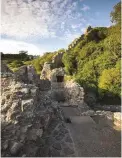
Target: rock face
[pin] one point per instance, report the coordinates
(57, 60)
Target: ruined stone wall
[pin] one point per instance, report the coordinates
(57, 88)
(25, 114)
(44, 84)
(70, 91)
(45, 74)
(74, 93)
(27, 74)
(31, 122)
(57, 60)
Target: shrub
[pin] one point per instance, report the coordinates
(109, 82)
(16, 63)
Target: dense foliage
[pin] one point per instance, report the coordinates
(116, 13)
(94, 61)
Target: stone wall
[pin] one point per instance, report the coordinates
(45, 74)
(70, 92)
(44, 84)
(56, 72)
(27, 74)
(57, 60)
(5, 71)
(25, 114)
(74, 93)
(57, 88)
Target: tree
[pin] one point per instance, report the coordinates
(87, 75)
(23, 55)
(110, 82)
(69, 60)
(113, 45)
(116, 14)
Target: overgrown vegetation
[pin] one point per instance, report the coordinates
(94, 61)
(39, 62)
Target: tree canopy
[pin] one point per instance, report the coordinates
(116, 13)
(94, 61)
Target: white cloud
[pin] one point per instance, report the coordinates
(75, 26)
(24, 18)
(12, 46)
(85, 7)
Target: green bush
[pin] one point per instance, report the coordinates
(87, 50)
(113, 45)
(109, 82)
(16, 63)
(69, 60)
(87, 76)
(97, 34)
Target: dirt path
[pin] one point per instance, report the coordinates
(92, 139)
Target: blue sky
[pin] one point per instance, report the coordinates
(40, 26)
